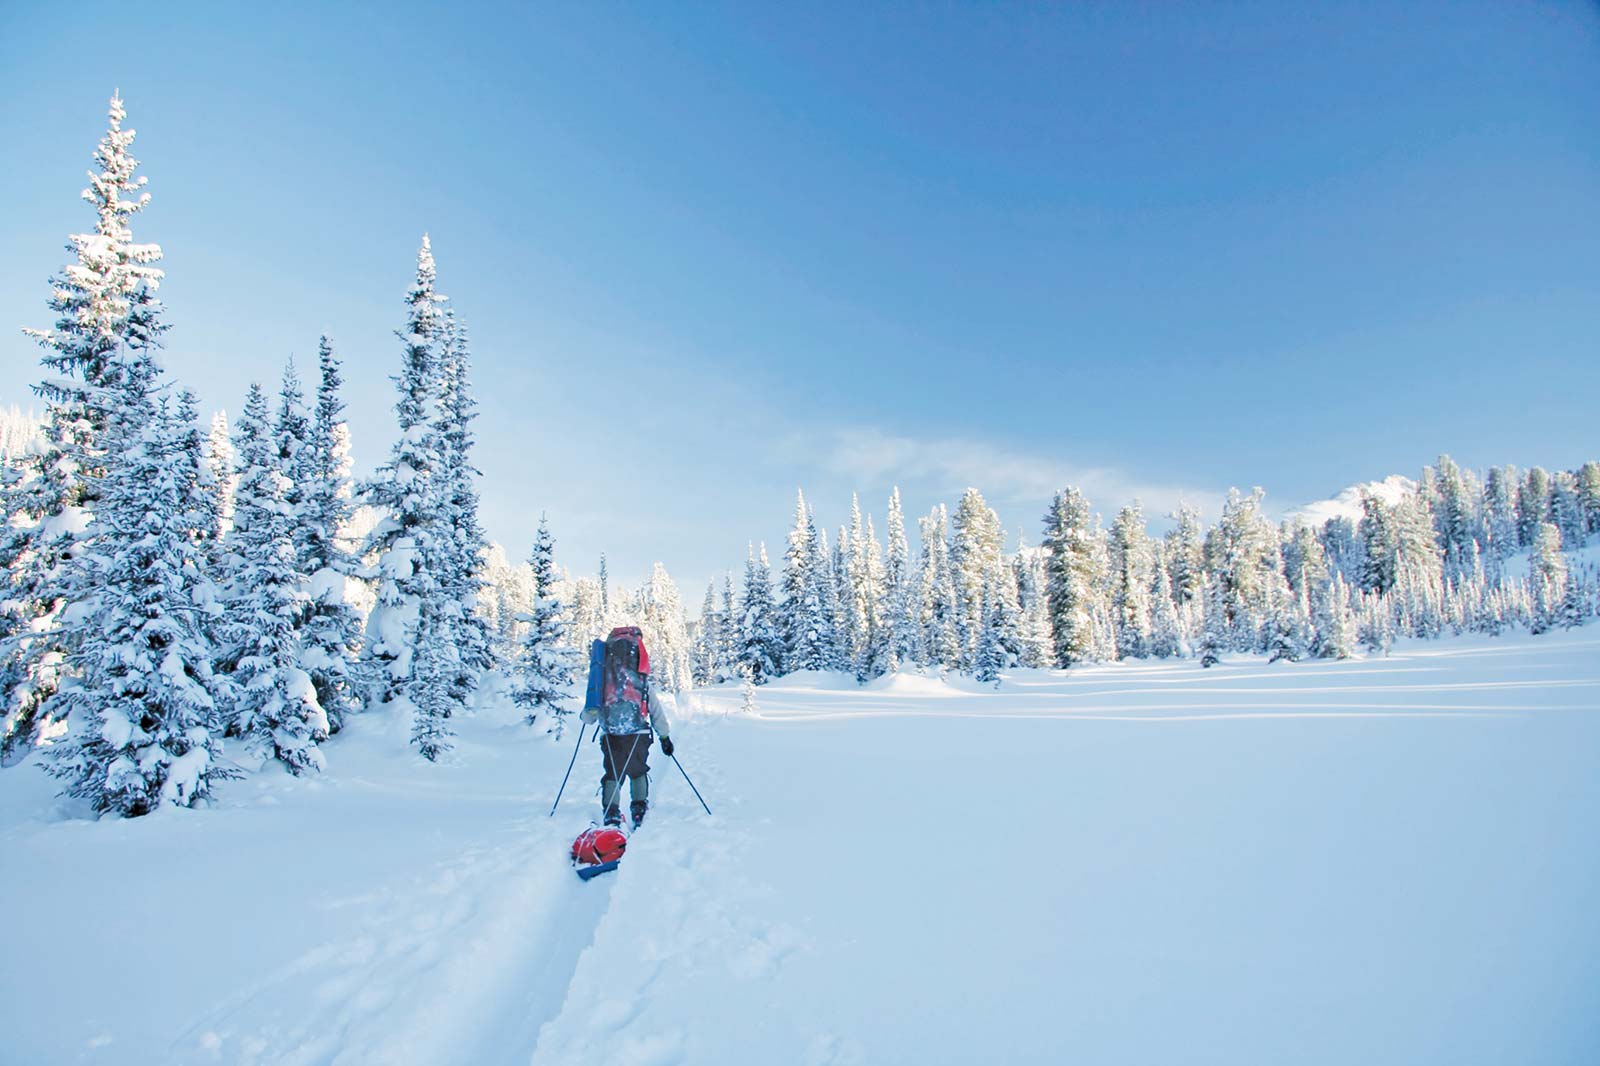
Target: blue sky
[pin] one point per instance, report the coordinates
(737, 250)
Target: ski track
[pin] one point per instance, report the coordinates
(462, 964)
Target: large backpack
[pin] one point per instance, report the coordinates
(625, 686)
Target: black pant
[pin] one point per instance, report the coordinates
(628, 752)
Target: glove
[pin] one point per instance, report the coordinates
(666, 746)
(590, 715)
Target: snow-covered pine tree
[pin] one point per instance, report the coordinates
(1242, 552)
(331, 632)
(1033, 626)
(864, 585)
(1533, 505)
(1166, 635)
(223, 482)
(429, 687)
(461, 578)
(808, 603)
(1547, 576)
(760, 644)
(1069, 539)
(839, 565)
(548, 665)
(1185, 556)
(1499, 510)
(141, 702)
(940, 644)
(707, 636)
(1130, 582)
(275, 706)
(1214, 632)
(108, 320)
(899, 593)
(728, 632)
(991, 657)
(1455, 515)
(410, 538)
(976, 546)
(661, 618)
(1589, 495)
(1566, 509)
(1335, 624)
(1379, 553)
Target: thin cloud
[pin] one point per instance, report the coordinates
(948, 466)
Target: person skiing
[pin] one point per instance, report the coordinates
(619, 699)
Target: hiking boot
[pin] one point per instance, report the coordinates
(636, 811)
(613, 816)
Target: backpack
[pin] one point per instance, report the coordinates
(626, 675)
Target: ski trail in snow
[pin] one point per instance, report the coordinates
(463, 964)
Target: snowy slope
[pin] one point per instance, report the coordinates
(1386, 861)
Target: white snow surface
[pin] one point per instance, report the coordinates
(1377, 861)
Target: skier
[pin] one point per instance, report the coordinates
(627, 717)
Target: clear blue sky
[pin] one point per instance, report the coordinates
(736, 250)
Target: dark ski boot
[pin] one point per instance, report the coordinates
(636, 811)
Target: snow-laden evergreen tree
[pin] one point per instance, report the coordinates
(1184, 555)
(1036, 645)
(807, 615)
(1131, 559)
(108, 324)
(1547, 576)
(411, 540)
(940, 643)
(463, 541)
(1242, 552)
(429, 688)
(1589, 495)
(141, 700)
(1166, 633)
(1455, 516)
(703, 659)
(1533, 505)
(220, 463)
(197, 494)
(1499, 510)
(976, 546)
(1070, 568)
(291, 435)
(331, 631)
(1419, 573)
(1336, 625)
(1214, 633)
(839, 565)
(660, 614)
(1566, 509)
(864, 583)
(760, 643)
(548, 665)
(899, 610)
(728, 632)
(275, 708)
(991, 657)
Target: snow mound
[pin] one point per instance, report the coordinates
(906, 683)
(1347, 504)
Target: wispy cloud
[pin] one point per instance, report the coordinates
(949, 465)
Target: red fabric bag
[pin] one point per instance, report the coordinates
(596, 845)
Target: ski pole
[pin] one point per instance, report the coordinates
(685, 774)
(570, 765)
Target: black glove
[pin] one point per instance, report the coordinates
(666, 746)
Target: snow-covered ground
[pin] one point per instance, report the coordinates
(1384, 861)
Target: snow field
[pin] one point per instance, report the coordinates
(1379, 861)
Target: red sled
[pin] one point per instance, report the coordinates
(598, 850)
